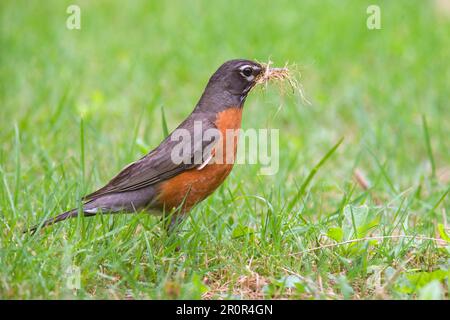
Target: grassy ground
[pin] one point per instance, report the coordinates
(76, 106)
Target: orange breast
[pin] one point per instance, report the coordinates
(193, 186)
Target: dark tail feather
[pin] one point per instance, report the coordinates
(63, 216)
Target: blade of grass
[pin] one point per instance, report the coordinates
(355, 229)
(164, 122)
(383, 170)
(136, 133)
(8, 191)
(17, 173)
(428, 145)
(312, 173)
(80, 217)
(60, 106)
(441, 199)
(82, 159)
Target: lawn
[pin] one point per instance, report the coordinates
(367, 220)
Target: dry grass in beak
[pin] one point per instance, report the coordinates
(280, 75)
(272, 74)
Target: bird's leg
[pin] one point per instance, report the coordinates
(172, 221)
(175, 221)
(176, 216)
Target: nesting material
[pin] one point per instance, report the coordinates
(272, 74)
(280, 75)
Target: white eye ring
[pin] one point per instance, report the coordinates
(245, 68)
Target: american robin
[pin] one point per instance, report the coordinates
(157, 182)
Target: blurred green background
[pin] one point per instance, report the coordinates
(130, 58)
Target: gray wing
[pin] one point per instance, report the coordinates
(158, 165)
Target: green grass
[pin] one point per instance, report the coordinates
(76, 106)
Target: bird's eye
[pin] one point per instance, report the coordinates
(247, 71)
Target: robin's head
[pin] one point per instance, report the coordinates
(237, 76)
(230, 84)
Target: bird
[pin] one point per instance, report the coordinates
(157, 183)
